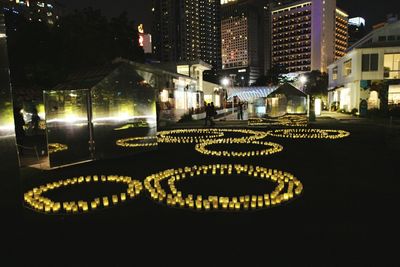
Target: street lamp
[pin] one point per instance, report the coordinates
(303, 80)
(225, 81)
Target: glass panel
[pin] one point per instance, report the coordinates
(67, 122)
(335, 73)
(347, 68)
(394, 95)
(396, 62)
(9, 181)
(365, 62)
(388, 62)
(124, 114)
(374, 62)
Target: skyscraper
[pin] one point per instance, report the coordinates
(185, 30)
(47, 11)
(357, 30)
(242, 39)
(308, 35)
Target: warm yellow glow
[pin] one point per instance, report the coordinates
(206, 134)
(272, 148)
(287, 188)
(146, 141)
(56, 147)
(288, 120)
(318, 107)
(35, 199)
(309, 133)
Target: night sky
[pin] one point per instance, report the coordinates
(140, 10)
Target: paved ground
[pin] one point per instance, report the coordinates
(347, 215)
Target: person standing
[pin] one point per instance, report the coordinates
(19, 129)
(207, 110)
(240, 113)
(213, 113)
(35, 121)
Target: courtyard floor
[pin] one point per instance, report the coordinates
(346, 216)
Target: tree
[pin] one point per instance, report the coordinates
(274, 76)
(42, 56)
(316, 84)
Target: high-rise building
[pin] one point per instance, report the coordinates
(308, 35)
(47, 11)
(242, 40)
(357, 30)
(185, 30)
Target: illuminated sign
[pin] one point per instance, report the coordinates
(140, 28)
(144, 39)
(141, 40)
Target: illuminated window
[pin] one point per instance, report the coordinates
(373, 100)
(335, 73)
(394, 95)
(392, 66)
(347, 68)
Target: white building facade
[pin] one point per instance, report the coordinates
(368, 76)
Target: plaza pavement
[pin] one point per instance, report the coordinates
(347, 215)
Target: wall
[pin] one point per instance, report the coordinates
(10, 196)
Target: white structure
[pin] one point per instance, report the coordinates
(369, 73)
(308, 35)
(357, 21)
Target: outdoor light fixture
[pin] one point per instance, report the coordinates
(303, 79)
(272, 148)
(225, 82)
(309, 133)
(318, 107)
(287, 188)
(35, 198)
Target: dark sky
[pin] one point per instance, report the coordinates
(140, 10)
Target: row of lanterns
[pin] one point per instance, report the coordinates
(56, 147)
(288, 120)
(271, 148)
(35, 198)
(288, 187)
(309, 133)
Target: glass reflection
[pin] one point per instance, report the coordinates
(68, 132)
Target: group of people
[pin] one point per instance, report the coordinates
(210, 113)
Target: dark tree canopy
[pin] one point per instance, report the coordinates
(274, 76)
(317, 83)
(42, 56)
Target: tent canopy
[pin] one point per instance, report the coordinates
(287, 90)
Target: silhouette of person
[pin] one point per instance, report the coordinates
(213, 113)
(35, 121)
(240, 114)
(19, 129)
(208, 114)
